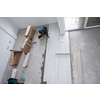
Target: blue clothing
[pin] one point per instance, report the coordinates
(44, 29)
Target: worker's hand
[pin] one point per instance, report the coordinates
(48, 36)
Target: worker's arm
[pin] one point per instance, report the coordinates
(46, 34)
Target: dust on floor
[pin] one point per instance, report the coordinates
(88, 41)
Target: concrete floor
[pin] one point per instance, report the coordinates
(88, 41)
(34, 72)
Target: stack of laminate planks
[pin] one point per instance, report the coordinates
(30, 32)
(15, 56)
(27, 45)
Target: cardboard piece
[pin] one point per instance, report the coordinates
(20, 82)
(27, 45)
(15, 56)
(30, 32)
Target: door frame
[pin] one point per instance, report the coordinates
(73, 29)
(84, 26)
(85, 23)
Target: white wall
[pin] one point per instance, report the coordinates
(8, 32)
(4, 52)
(8, 26)
(23, 22)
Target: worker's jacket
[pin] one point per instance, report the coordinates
(44, 29)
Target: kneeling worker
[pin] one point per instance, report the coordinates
(43, 30)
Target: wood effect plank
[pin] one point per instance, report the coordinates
(64, 69)
(51, 47)
(62, 53)
(48, 58)
(50, 73)
(54, 67)
(80, 76)
(19, 51)
(64, 61)
(25, 64)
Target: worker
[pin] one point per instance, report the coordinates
(43, 30)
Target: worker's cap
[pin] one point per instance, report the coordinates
(40, 30)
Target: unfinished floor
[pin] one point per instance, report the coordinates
(38, 71)
(88, 41)
(34, 72)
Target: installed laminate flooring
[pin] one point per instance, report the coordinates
(57, 67)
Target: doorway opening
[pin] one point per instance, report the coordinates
(74, 23)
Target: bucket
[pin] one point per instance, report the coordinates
(40, 37)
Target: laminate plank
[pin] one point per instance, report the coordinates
(64, 61)
(80, 76)
(54, 67)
